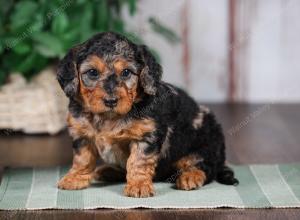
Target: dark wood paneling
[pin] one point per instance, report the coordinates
(19, 150)
(155, 214)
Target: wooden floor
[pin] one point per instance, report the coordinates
(255, 134)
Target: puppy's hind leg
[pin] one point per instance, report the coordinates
(190, 175)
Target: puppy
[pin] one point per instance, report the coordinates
(142, 128)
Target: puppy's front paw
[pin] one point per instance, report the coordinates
(74, 182)
(139, 189)
(189, 180)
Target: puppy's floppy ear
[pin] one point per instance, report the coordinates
(67, 74)
(151, 72)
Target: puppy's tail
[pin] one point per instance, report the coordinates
(225, 176)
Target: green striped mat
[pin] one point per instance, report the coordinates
(261, 186)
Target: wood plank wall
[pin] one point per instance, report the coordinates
(231, 50)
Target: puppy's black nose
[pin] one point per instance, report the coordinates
(110, 102)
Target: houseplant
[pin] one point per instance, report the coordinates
(35, 34)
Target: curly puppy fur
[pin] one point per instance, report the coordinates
(142, 128)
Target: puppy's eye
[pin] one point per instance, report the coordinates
(92, 74)
(126, 73)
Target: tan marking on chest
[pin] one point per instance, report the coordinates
(117, 131)
(111, 137)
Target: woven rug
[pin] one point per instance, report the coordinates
(261, 186)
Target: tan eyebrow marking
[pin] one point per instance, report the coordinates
(122, 64)
(93, 61)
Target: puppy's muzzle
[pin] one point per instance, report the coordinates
(110, 102)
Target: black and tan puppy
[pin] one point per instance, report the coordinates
(141, 127)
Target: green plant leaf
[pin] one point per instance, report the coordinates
(59, 24)
(21, 48)
(5, 6)
(115, 6)
(70, 38)
(133, 37)
(27, 63)
(22, 14)
(44, 51)
(86, 22)
(39, 64)
(81, 2)
(48, 44)
(132, 6)
(5, 9)
(102, 15)
(1, 47)
(36, 26)
(118, 25)
(10, 42)
(166, 32)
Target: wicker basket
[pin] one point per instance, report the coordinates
(36, 107)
